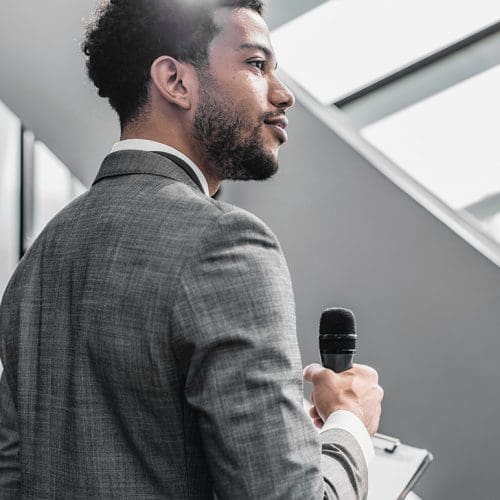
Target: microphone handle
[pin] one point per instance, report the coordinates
(338, 362)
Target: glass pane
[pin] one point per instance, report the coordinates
(10, 137)
(449, 144)
(345, 45)
(54, 186)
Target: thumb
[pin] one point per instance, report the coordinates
(311, 371)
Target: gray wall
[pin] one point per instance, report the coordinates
(427, 303)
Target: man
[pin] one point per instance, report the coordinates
(148, 336)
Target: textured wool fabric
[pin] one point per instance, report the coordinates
(149, 345)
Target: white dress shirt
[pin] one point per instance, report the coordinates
(341, 419)
(346, 420)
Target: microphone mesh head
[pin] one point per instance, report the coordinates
(337, 321)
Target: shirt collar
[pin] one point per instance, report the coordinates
(147, 145)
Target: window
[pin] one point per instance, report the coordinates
(344, 46)
(449, 144)
(418, 81)
(54, 186)
(45, 188)
(10, 137)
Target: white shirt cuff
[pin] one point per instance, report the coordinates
(343, 419)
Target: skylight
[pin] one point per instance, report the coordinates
(449, 141)
(343, 46)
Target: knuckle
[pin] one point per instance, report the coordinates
(379, 393)
(325, 375)
(372, 373)
(317, 377)
(367, 372)
(356, 368)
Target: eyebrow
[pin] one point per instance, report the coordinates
(258, 46)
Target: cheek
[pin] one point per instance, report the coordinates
(250, 91)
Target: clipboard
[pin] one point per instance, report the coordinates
(395, 469)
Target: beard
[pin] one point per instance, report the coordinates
(231, 143)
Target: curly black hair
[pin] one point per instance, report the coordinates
(126, 36)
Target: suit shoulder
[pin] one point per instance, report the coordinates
(236, 218)
(238, 233)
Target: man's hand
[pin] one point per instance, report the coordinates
(355, 390)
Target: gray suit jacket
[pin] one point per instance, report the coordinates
(149, 345)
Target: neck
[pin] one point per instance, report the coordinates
(178, 142)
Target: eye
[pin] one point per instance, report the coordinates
(259, 64)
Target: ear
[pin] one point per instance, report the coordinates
(174, 81)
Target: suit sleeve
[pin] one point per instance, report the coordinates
(10, 474)
(233, 332)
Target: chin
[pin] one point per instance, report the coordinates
(275, 156)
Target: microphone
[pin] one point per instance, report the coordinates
(337, 339)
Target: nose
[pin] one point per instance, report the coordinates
(281, 96)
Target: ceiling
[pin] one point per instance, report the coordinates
(43, 79)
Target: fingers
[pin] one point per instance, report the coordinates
(317, 374)
(381, 392)
(314, 413)
(315, 371)
(373, 427)
(365, 370)
(356, 390)
(375, 420)
(317, 420)
(312, 371)
(318, 423)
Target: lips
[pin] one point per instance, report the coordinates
(279, 121)
(278, 125)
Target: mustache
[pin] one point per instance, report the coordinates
(280, 113)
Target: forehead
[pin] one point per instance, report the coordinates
(238, 27)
